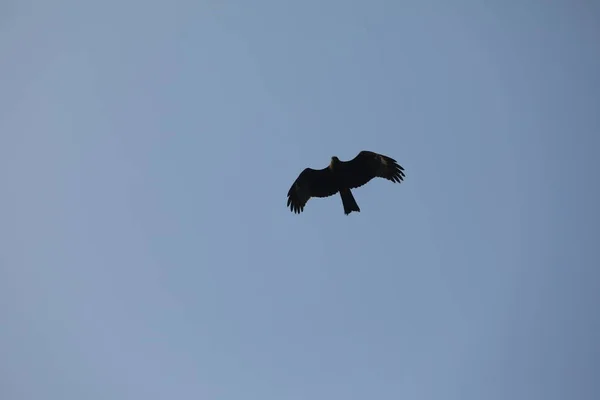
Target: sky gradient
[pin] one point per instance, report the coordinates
(146, 149)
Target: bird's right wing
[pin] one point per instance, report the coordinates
(310, 183)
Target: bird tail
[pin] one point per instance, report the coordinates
(348, 201)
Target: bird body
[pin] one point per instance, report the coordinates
(340, 177)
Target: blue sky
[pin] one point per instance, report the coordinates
(146, 149)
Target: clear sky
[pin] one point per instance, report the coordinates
(146, 149)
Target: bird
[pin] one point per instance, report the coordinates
(340, 177)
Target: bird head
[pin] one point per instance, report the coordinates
(334, 161)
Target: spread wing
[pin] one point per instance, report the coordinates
(310, 183)
(368, 165)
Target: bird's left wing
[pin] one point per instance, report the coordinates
(368, 165)
(310, 183)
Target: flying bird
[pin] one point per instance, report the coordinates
(341, 176)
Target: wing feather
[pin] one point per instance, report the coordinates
(368, 165)
(310, 183)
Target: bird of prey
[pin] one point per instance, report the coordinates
(341, 176)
